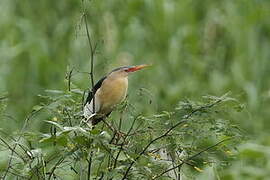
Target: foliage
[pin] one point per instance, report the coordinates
(197, 48)
(71, 149)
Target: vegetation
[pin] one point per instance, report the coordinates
(197, 48)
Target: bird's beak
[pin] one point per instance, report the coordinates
(136, 68)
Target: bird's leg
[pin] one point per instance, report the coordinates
(118, 133)
(107, 124)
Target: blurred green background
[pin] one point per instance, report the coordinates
(196, 48)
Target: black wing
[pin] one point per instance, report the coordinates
(90, 97)
(94, 90)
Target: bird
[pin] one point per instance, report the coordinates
(107, 93)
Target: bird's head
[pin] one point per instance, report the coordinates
(126, 70)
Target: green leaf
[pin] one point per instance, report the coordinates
(37, 108)
(54, 91)
(55, 124)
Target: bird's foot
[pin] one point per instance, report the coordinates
(87, 121)
(120, 134)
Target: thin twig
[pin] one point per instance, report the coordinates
(92, 56)
(190, 158)
(89, 165)
(17, 141)
(210, 147)
(10, 148)
(184, 119)
(83, 99)
(99, 167)
(92, 52)
(121, 147)
(68, 77)
(55, 166)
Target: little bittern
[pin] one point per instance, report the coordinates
(107, 93)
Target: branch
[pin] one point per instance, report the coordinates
(89, 165)
(92, 51)
(184, 119)
(55, 166)
(210, 147)
(121, 147)
(68, 77)
(11, 149)
(17, 142)
(192, 157)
